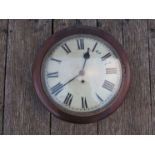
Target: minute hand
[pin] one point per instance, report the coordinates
(58, 88)
(70, 80)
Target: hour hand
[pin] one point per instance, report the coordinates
(86, 55)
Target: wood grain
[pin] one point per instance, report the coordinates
(3, 45)
(23, 113)
(151, 30)
(137, 110)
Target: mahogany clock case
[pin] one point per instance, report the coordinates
(51, 105)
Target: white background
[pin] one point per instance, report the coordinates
(77, 145)
(77, 9)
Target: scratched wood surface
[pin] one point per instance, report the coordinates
(21, 112)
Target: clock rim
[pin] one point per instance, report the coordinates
(51, 105)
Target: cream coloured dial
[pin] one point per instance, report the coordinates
(82, 73)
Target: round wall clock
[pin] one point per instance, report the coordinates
(81, 74)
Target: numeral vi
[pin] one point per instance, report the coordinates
(84, 103)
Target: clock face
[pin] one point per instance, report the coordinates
(81, 73)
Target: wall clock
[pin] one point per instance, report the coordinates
(81, 74)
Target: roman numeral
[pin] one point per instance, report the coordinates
(108, 85)
(106, 56)
(80, 44)
(84, 103)
(111, 70)
(94, 47)
(101, 100)
(68, 99)
(55, 60)
(57, 89)
(66, 48)
(52, 75)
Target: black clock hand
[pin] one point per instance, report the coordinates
(84, 64)
(59, 87)
(70, 80)
(86, 56)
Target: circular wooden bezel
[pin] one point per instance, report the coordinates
(51, 105)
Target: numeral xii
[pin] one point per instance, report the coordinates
(80, 44)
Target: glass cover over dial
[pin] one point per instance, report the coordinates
(81, 73)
